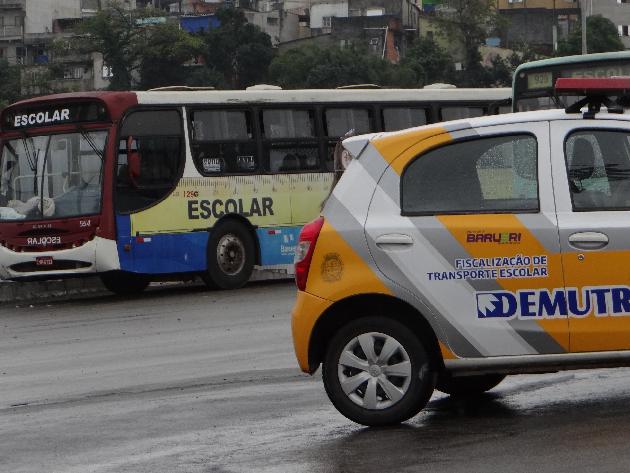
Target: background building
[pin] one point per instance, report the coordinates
(539, 23)
(616, 11)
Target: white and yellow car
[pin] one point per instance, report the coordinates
(451, 255)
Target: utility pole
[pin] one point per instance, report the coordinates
(583, 16)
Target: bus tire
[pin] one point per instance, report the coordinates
(468, 385)
(231, 253)
(371, 387)
(124, 283)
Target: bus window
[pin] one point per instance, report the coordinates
(339, 122)
(150, 158)
(457, 113)
(290, 140)
(400, 118)
(223, 141)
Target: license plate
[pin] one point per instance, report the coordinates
(44, 261)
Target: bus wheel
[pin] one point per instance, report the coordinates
(123, 283)
(468, 385)
(230, 255)
(377, 372)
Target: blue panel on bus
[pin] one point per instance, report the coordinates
(170, 253)
(277, 244)
(160, 253)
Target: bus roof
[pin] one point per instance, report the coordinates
(118, 103)
(321, 96)
(575, 59)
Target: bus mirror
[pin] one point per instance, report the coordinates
(134, 161)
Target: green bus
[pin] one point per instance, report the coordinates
(533, 84)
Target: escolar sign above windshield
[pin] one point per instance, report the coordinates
(42, 118)
(81, 112)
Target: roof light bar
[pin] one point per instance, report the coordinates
(589, 86)
(611, 92)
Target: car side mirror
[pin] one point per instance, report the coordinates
(134, 161)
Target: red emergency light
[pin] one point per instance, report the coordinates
(611, 92)
(589, 86)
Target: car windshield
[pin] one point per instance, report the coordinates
(51, 176)
(546, 102)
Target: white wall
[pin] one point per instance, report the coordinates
(319, 11)
(41, 13)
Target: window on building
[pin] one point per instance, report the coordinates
(623, 30)
(486, 175)
(72, 73)
(272, 21)
(327, 22)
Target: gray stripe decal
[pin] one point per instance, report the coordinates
(354, 234)
(373, 162)
(390, 184)
(545, 231)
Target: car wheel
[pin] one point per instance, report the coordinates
(468, 385)
(230, 256)
(123, 283)
(377, 372)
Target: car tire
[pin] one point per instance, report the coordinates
(468, 385)
(124, 283)
(231, 253)
(377, 388)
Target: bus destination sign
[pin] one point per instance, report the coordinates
(53, 114)
(49, 117)
(545, 79)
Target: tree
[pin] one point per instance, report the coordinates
(429, 62)
(315, 67)
(468, 22)
(237, 49)
(161, 59)
(601, 37)
(148, 55)
(9, 83)
(113, 33)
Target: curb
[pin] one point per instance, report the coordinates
(64, 289)
(54, 289)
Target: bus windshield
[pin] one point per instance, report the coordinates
(534, 82)
(51, 176)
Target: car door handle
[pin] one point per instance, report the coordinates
(397, 239)
(588, 240)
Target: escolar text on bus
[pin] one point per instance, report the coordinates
(205, 209)
(42, 118)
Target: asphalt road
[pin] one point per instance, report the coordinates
(184, 380)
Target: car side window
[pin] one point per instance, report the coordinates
(484, 175)
(598, 169)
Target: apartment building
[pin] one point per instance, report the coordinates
(27, 31)
(617, 11)
(539, 23)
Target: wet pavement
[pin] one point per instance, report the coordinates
(194, 381)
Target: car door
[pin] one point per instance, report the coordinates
(591, 173)
(468, 231)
